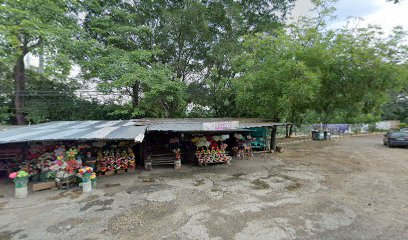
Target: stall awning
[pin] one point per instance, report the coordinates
(204, 125)
(75, 130)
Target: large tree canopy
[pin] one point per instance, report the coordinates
(191, 58)
(40, 27)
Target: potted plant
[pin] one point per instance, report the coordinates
(85, 173)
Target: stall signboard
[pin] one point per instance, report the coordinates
(211, 126)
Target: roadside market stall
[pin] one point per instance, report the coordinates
(59, 150)
(200, 141)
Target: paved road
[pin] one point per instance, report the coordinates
(354, 188)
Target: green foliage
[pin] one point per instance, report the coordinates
(273, 83)
(341, 75)
(191, 58)
(397, 107)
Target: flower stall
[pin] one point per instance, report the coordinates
(116, 158)
(211, 149)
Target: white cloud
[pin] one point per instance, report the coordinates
(378, 12)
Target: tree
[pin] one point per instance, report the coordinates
(397, 107)
(116, 54)
(339, 74)
(26, 27)
(129, 42)
(273, 82)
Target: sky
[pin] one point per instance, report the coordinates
(378, 12)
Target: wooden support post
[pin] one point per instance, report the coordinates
(273, 139)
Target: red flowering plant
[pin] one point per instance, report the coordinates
(111, 163)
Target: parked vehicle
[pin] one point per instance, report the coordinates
(393, 139)
(404, 130)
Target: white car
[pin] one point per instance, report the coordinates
(404, 130)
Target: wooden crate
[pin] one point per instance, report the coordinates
(43, 186)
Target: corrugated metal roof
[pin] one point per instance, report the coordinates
(119, 130)
(196, 124)
(186, 127)
(75, 130)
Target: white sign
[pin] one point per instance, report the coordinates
(220, 125)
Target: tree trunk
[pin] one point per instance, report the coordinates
(273, 138)
(135, 92)
(287, 131)
(19, 88)
(41, 60)
(290, 130)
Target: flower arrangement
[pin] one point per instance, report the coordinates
(214, 153)
(85, 173)
(178, 153)
(115, 159)
(19, 174)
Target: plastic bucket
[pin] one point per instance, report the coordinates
(20, 187)
(20, 182)
(87, 186)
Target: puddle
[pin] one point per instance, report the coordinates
(3, 204)
(108, 185)
(238, 175)
(22, 236)
(260, 184)
(104, 208)
(67, 194)
(5, 235)
(145, 188)
(90, 198)
(102, 203)
(198, 182)
(293, 186)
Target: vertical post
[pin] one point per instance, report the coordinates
(273, 138)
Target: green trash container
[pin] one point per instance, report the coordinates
(319, 135)
(313, 135)
(327, 135)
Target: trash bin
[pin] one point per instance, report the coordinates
(319, 135)
(327, 135)
(313, 134)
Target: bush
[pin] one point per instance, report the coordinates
(403, 125)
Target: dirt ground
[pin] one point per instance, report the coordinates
(349, 188)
